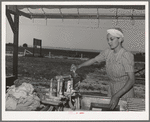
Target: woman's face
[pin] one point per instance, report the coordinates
(113, 41)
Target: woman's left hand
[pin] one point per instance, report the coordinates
(114, 102)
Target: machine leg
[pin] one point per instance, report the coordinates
(77, 103)
(60, 108)
(51, 108)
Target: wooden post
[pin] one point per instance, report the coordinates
(33, 50)
(15, 52)
(24, 52)
(51, 88)
(41, 50)
(81, 55)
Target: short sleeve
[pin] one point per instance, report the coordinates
(102, 56)
(128, 62)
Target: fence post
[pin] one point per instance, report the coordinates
(25, 52)
(81, 55)
(49, 54)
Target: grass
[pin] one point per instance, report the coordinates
(44, 67)
(39, 71)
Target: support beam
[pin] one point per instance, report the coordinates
(15, 52)
(10, 11)
(20, 13)
(10, 20)
(24, 14)
(87, 16)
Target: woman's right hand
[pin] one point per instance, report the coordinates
(73, 68)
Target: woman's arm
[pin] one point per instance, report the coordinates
(98, 58)
(87, 63)
(129, 84)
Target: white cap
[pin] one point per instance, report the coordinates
(115, 33)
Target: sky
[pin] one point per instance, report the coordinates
(78, 33)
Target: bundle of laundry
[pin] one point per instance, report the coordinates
(22, 98)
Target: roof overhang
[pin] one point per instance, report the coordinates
(137, 16)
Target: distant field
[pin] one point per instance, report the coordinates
(39, 71)
(140, 57)
(44, 67)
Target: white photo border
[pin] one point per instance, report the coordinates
(40, 115)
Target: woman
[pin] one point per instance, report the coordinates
(119, 67)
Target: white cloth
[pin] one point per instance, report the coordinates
(21, 98)
(115, 33)
(11, 103)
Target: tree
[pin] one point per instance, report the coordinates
(25, 45)
(9, 44)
